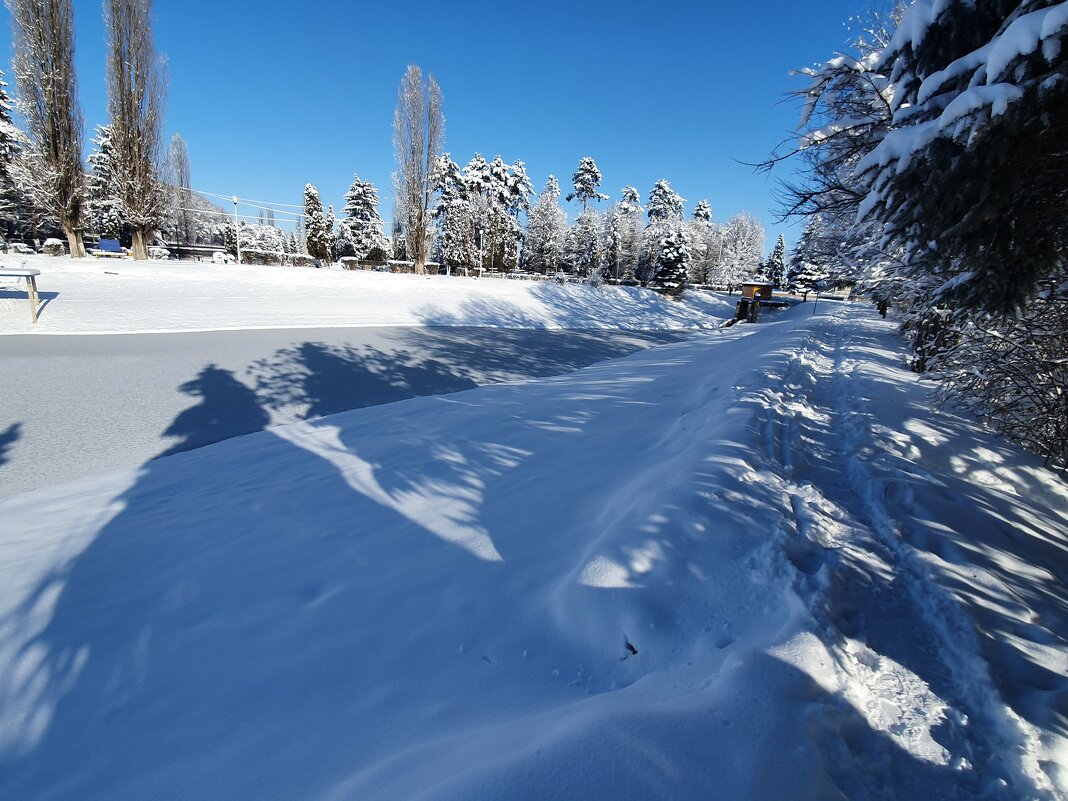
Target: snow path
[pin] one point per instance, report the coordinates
(907, 651)
(750, 561)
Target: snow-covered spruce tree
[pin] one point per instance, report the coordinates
(583, 246)
(623, 235)
(452, 214)
(364, 222)
(104, 209)
(586, 180)
(230, 238)
(49, 169)
(497, 193)
(664, 207)
(975, 161)
(317, 240)
(775, 267)
(136, 96)
(11, 145)
(703, 243)
(331, 232)
(418, 138)
(546, 230)
(672, 258)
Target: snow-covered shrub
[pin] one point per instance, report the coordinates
(53, 247)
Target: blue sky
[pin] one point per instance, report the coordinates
(272, 95)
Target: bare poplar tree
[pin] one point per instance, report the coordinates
(51, 165)
(418, 138)
(136, 95)
(181, 173)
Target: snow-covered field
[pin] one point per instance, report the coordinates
(753, 564)
(91, 296)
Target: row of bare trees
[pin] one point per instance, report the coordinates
(50, 169)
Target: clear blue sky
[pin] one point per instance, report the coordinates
(272, 95)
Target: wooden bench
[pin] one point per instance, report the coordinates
(31, 285)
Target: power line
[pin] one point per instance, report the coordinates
(262, 204)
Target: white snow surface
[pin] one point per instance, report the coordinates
(753, 564)
(91, 296)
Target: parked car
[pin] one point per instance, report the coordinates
(20, 248)
(156, 252)
(218, 257)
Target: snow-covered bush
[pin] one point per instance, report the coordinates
(53, 247)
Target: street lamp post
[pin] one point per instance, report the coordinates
(237, 231)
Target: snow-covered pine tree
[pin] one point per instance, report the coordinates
(775, 267)
(672, 259)
(583, 246)
(623, 235)
(586, 180)
(331, 232)
(453, 214)
(316, 237)
(975, 160)
(365, 224)
(104, 208)
(663, 208)
(704, 244)
(230, 239)
(546, 230)
(664, 203)
(11, 142)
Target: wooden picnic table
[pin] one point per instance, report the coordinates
(31, 285)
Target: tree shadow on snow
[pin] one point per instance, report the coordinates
(246, 603)
(8, 437)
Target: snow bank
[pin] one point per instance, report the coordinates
(735, 564)
(92, 296)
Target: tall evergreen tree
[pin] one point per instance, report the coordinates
(546, 230)
(316, 237)
(664, 203)
(623, 235)
(453, 214)
(586, 180)
(583, 245)
(775, 269)
(672, 260)
(363, 221)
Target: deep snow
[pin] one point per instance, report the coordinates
(81, 405)
(832, 591)
(92, 296)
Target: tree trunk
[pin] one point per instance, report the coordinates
(140, 249)
(420, 264)
(75, 243)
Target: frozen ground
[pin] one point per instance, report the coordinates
(92, 296)
(79, 405)
(751, 564)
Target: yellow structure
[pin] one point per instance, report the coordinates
(757, 290)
